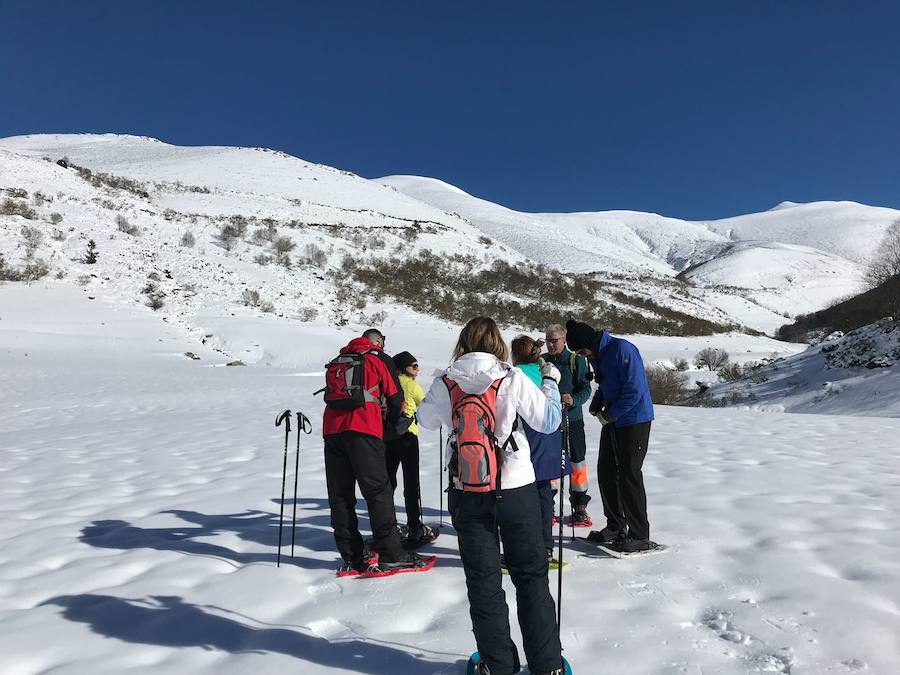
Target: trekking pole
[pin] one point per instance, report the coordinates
(286, 418)
(441, 471)
(304, 425)
(563, 453)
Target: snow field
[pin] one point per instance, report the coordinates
(140, 508)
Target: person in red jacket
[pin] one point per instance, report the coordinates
(355, 454)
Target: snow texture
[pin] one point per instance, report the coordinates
(140, 508)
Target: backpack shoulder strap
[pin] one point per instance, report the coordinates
(573, 363)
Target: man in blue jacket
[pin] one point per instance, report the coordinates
(623, 406)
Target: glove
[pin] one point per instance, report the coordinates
(600, 409)
(549, 371)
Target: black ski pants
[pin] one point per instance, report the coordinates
(622, 452)
(351, 458)
(476, 518)
(545, 495)
(404, 451)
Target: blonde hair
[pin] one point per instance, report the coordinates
(481, 335)
(526, 349)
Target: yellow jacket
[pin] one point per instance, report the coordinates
(413, 396)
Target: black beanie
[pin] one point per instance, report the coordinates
(580, 336)
(404, 359)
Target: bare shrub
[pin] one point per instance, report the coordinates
(33, 238)
(56, 218)
(283, 245)
(314, 255)
(253, 298)
(681, 364)
(885, 264)
(487, 241)
(170, 214)
(40, 198)
(228, 236)
(410, 234)
(187, 239)
(731, 372)
(124, 226)
(57, 234)
(12, 207)
(667, 387)
(264, 235)
(18, 193)
(711, 358)
(262, 259)
(308, 314)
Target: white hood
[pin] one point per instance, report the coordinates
(474, 372)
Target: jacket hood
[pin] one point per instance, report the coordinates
(359, 344)
(474, 372)
(532, 370)
(605, 339)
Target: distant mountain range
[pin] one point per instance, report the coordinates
(137, 198)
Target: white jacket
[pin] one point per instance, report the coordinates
(517, 396)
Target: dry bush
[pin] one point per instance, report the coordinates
(667, 387)
(188, 240)
(711, 358)
(33, 238)
(283, 245)
(56, 218)
(315, 256)
(124, 226)
(731, 372)
(12, 207)
(885, 264)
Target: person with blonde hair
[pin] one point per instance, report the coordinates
(493, 495)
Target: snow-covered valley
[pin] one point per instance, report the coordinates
(140, 509)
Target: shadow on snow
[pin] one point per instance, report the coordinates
(169, 621)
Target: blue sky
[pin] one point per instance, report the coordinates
(691, 109)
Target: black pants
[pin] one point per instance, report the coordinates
(545, 495)
(621, 480)
(476, 517)
(404, 451)
(351, 458)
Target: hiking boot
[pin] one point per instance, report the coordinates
(406, 561)
(632, 545)
(580, 517)
(605, 536)
(424, 536)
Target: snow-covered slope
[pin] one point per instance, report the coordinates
(612, 241)
(846, 229)
(136, 197)
(140, 506)
(853, 374)
(826, 244)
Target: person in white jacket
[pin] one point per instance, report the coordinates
(513, 510)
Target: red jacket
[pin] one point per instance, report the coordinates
(367, 418)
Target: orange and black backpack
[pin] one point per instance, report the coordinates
(476, 457)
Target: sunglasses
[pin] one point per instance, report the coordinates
(414, 365)
(555, 340)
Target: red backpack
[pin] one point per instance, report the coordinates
(345, 382)
(476, 457)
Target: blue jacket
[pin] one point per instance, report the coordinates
(545, 448)
(622, 382)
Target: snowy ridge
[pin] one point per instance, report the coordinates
(330, 215)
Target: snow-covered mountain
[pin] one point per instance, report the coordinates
(139, 198)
